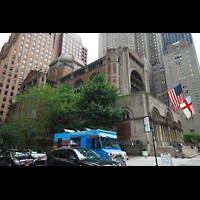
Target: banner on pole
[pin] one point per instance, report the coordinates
(146, 124)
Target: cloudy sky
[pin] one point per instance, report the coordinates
(90, 41)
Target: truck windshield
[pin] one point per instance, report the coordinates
(110, 143)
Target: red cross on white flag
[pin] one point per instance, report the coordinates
(187, 107)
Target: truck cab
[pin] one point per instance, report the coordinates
(103, 142)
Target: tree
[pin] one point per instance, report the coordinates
(8, 134)
(191, 137)
(57, 105)
(96, 107)
(20, 129)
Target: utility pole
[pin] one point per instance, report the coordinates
(152, 130)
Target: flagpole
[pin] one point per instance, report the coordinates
(168, 90)
(163, 92)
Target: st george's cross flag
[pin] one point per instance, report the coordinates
(187, 107)
(176, 96)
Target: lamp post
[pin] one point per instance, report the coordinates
(152, 130)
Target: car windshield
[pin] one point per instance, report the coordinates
(19, 153)
(109, 143)
(37, 151)
(85, 154)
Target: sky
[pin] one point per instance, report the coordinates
(90, 41)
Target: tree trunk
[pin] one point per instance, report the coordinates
(26, 140)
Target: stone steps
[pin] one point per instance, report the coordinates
(162, 150)
(187, 152)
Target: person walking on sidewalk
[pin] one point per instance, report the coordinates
(173, 144)
(198, 149)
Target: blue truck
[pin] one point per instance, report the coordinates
(102, 142)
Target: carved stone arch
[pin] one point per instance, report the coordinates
(179, 131)
(127, 114)
(136, 80)
(156, 123)
(175, 125)
(169, 116)
(179, 125)
(155, 115)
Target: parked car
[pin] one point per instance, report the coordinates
(39, 155)
(76, 156)
(16, 158)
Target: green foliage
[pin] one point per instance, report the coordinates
(21, 129)
(191, 137)
(97, 102)
(57, 105)
(59, 108)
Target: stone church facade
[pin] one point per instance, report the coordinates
(166, 123)
(133, 76)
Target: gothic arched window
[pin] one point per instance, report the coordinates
(125, 115)
(136, 82)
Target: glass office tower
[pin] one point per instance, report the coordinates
(170, 38)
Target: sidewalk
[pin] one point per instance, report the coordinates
(150, 161)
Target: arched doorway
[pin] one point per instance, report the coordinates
(171, 130)
(155, 120)
(179, 131)
(136, 82)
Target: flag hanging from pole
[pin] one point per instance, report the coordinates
(187, 107)
(176, 96)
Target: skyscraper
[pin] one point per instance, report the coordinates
(171, 38)
(21, 54)
(147, 45)
(181, 66)
(115, 40)
(70, 43)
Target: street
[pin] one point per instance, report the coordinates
(150, 161)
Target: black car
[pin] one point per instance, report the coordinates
(75, 156)
(16, 158)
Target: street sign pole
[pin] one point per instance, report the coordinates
(153, 137)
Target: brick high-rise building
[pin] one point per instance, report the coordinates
(21, 54)
(70, 43)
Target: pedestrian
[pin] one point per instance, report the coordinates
(173, 144)
(191, 146)
(198, 149)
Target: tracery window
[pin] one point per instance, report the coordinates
(136, 82)
(125, 115)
